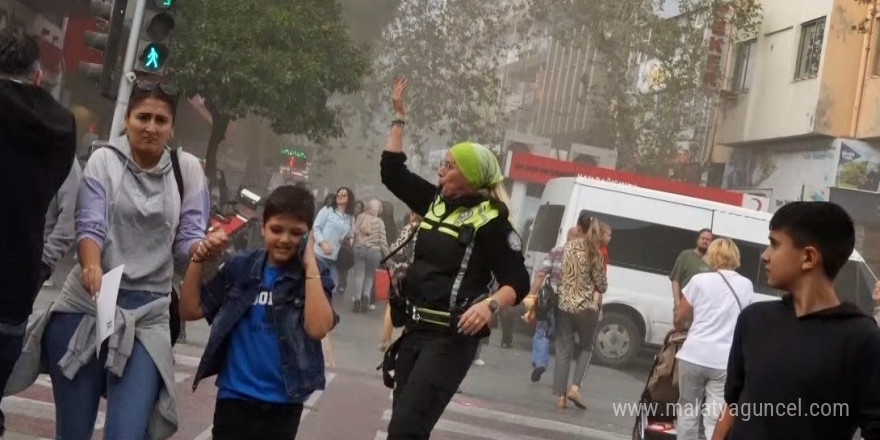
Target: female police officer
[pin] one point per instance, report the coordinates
(466, 245)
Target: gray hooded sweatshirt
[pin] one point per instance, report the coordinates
(136, 217)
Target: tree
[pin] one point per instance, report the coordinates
(651, 114)
(282, 60)
(450, 51)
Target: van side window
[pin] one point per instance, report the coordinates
(545, 228)
(752, 267)
(644, 246)
(653, 248)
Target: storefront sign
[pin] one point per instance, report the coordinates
(538, 169)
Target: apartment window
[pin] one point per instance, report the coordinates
(810, 49)
(744, 68)
(875, 48)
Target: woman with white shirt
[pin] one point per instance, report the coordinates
(711, 302)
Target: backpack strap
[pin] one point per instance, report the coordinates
(178, 175)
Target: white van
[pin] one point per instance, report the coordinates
(649, 229)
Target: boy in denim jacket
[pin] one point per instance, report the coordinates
(268, 310)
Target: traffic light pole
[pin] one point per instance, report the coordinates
(126, 80)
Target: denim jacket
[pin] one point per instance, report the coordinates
(227, 297)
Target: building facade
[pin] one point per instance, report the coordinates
(800, 119)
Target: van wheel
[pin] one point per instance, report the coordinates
(618, 340)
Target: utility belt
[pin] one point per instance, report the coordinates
(425, 318)
(419, 318)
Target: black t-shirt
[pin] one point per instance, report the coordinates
(497, 249)
(813, 377)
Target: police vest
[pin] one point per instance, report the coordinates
(461, 224)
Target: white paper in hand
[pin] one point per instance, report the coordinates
(105, 318)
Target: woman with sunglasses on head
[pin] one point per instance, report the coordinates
(129, 211)
(466, 244)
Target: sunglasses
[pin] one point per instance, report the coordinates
(166, 89)
(447, 164)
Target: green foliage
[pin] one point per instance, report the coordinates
(450, 51)
(853, 174)
(279, 59)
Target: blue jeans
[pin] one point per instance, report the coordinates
(11, 339)
(366, 261)
(130, 399)
(334, 271)
(541, 345)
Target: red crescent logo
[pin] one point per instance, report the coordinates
(760, 205)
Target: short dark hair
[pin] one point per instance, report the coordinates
(823, 225)
(705, 230)
(19, 53)
(291, 200)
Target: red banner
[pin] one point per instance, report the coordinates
(539, 169)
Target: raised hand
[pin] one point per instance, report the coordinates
(308, 258)
(397, 95)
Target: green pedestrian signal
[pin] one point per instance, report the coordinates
(153, 57)
(154, 54)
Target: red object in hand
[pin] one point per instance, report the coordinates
(229, 224)
(383, 284)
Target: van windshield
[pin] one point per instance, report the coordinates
(545, 228)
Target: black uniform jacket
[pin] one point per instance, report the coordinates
(438, 256)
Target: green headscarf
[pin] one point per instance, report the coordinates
(478, 164)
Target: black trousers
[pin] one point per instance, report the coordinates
(430, 367)
(246, 419)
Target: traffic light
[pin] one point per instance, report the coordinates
(153, 53)
(111, 19)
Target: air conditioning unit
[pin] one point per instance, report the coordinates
(601, 157)
(525, 142)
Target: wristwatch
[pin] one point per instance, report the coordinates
(493, 305)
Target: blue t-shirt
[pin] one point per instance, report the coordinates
(252, 369)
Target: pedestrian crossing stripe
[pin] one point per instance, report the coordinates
(533, 422)
(456, 427)
(38, 409)
(308, 407)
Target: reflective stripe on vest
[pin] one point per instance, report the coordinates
(476, 216)
(451, 224)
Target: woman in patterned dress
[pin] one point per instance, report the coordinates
(580, 299)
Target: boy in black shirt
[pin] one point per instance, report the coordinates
(806, 367)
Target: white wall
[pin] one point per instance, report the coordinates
(776, 105)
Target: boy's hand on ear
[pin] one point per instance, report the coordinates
(309, 261)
